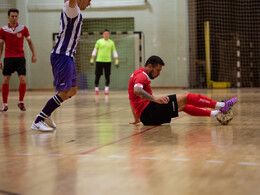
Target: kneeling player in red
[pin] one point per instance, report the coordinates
(151, 110)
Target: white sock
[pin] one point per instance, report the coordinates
(214, 112)
(220, 105)
(106, 88)
(96, 88)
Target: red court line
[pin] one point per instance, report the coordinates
(117, 141)
(23, 132)
(124, 138)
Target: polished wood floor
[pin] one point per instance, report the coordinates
(95, 150)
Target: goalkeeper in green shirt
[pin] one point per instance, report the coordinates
(103, 49)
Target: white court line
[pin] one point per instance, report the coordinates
(23, 154)
(181, 159)
(115, 156)
(55, 154)
(247, 163)
(149, 158)
(215, 161)
(86, 155)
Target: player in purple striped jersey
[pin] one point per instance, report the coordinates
(63, 66)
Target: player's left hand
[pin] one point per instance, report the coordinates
(116, 63)
(34, 59)
(135, 122)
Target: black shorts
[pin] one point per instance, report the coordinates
(103, 65)
(14, 64)
(157, 114)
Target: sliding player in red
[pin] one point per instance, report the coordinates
(151, 110)
(13, 35)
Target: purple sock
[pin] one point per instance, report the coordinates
(51, 105)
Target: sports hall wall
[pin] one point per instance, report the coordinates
(164, 24)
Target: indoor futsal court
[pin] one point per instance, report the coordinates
(94, 150)
(209, 47)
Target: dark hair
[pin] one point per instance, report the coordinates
(106, 30)
(13, 10)
(154, 60)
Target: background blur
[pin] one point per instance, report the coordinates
(173, 30)
(164, 24)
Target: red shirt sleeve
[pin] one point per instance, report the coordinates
(2, 36)
(26, 32)
(141, 80)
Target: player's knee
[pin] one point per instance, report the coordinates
(73, 93)
(22, 79)
(6, 80)
(180, 109)
(185, 94)
(182, 99)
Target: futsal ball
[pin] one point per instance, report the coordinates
(224, 118)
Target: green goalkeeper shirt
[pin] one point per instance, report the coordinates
(105, 47)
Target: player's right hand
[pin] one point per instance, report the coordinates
(91, 61)
(162, 100)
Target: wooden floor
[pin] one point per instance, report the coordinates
(94, 150)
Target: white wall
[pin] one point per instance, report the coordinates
(163, 22)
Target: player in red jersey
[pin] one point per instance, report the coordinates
(151, 110)
(13, 35)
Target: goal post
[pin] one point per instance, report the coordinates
(130, 49)
(211, 83)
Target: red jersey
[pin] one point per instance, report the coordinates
(139, 78)
(13, 38)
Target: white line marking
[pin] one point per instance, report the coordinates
(23, 154)
(86, 155)
(150, 158)
(247, 163)
(181, 159)
(55, 154)
(114, 156)
(215, 161)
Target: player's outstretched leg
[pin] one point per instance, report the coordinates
(198, 111)
(228, 105)
(199, 100)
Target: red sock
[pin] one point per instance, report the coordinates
(196, 111)
(22, 89)
(200, 101)
(5, 92)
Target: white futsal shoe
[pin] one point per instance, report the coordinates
(49, 122)
(40, 126)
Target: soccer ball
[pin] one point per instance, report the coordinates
(224, 118)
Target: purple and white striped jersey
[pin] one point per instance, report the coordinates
(70, 29)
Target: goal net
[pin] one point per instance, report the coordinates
(129, 45)
(129, 49)
(224, 43)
